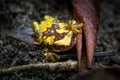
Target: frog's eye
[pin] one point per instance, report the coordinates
(37, 34)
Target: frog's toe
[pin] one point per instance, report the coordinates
(52, 57)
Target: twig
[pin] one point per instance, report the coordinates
(104, 54)
(97, 54)
(68, 65)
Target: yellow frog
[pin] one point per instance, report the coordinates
(56, 36)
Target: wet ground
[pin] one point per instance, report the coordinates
(19, 14)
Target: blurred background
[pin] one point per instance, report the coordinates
(18, 14)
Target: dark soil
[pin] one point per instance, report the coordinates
(17, 14)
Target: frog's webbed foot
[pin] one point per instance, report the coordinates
(51, 56)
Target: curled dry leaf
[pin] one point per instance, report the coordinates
(86, 11)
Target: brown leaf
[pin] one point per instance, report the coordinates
(87, 11)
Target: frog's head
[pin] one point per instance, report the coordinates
(56, 35)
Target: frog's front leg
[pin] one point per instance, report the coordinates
(50, 56)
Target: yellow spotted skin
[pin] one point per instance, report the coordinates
(49, 40)
(66, 41)
(56, 35)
